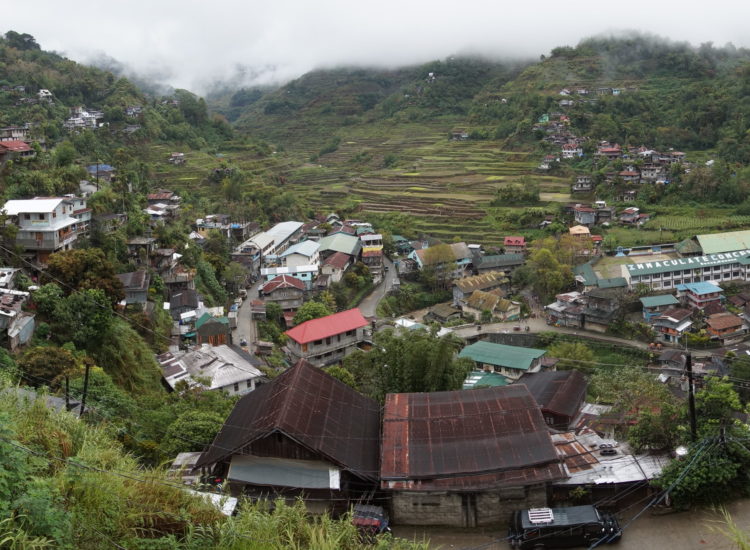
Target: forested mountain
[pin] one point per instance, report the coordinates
(677, 95)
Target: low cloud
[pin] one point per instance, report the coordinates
(191, 43)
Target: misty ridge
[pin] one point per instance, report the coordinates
(623, 54)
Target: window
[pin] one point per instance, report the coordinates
(236, 386)
(40, 216)
(54, 214)
(328, 341)
(249, 384)
(27, 216)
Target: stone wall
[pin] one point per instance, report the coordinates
(464, 509)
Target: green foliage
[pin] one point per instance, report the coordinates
(510, 195)
(191, 431)
(573, 355)
(343, 375)
(416, 361)
(311, 310)
(85, 268)
(207, 282)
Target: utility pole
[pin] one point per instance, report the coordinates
(85, 389)
(691, 395)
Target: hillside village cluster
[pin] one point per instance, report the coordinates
(520, 433)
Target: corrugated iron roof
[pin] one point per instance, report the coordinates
(331, 325)
(314, 409)
(559, 392)
(724, 242)
(283, 281)
(513, 357)
(490, 279)
(465, 439)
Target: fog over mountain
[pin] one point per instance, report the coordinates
(191, 44)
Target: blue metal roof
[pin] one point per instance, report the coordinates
(699, 288)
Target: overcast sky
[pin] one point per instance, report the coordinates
(189, 43)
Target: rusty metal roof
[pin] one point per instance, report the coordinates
(312, 408)
(464, 440)
(559, 392)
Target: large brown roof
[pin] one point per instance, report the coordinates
(559, 392)
(723, 321)
(490, 279)
(312, 408)
(465, 440)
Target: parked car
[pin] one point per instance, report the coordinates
(606, 449)
(370, 521)
(540, 528)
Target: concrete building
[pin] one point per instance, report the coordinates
(45, 226)
(222, 368)
(329, 339)
(492, 454)
(510, 361)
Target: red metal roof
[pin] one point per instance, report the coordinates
(337, 260)
(514, 241)
(317, 329)
(466, 439)
(283, 281)
(15, 146)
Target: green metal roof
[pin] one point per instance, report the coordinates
(694, 262)
(482, 378)
(207, 317)
(614, 282)
(717, 243)
(661, 300)
(688, 246)
(512, 357)
(340, 242)
(586, 272)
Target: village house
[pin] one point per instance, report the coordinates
(238, 231)
(140, 249)
(603, 305)
(629, 216)
(303, 435)
(653, 306)
(493, 302)
(571, 151)
(566, 310)
(285, 290)
(335, 265)
(135, 285)
(584, 215)
(629, 176)
(498, 262)
(559, 394)
(177, 159)
(223, 368)
(726, 327)
(602, 466)
(651, 173)
(510, 361)
(487, 281)
(212, 330)
(461, 255)
(8, 277)
(16, 325)
(305, 273)
(45, 225)
(101, 172)
(340, 242)
(609, 152)
(583, 184)
(514, 245)
(604, 214)
(442, 314)
(699, 295)
(182, 302)
(15, 133)
(328, 339)
(441, 481)
(15, 149)
(301, 254)
(672, 324)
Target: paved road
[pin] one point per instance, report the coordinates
(683, 531)
(245, 324)
(540, 325)
(369, 305)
